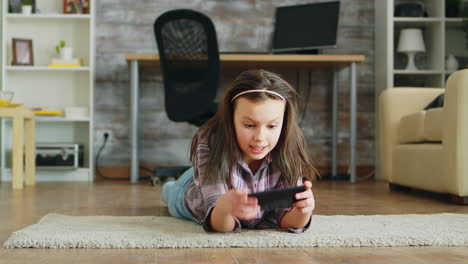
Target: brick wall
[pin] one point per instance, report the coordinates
(126, 26)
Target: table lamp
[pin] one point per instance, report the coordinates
(411, 41)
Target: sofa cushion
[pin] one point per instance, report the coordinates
(433, 124)
(411, 129)
(422, 126)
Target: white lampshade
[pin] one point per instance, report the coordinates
(411, 40)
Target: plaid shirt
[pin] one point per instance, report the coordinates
(201, 198)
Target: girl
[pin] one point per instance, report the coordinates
(252, 144)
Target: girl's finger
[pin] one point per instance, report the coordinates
(252, 201)
(304, 203)
(306, 194)
(241, 195)
(305, 210)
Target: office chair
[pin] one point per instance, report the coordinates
(189, 57)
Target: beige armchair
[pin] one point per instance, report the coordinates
(426, 150)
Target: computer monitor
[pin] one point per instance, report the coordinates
(306, 28)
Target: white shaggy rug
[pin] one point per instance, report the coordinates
(60, 231)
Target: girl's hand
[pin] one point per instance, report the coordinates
(308, 204)
(238, 204)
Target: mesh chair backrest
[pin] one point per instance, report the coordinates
(188, 50)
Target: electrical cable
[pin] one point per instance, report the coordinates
(98, 172)
(368, 176)
(146, 169)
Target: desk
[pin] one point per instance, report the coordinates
(22, 120)
(249, 61)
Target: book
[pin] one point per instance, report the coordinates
(64, 65)
(74, 62)
(48, 112)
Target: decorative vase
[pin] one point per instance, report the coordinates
(26, 9)
(66, 53)
(451, 64)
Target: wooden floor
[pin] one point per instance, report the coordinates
(19, 209)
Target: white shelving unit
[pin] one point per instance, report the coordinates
(46, 68)
(53, 87)
(1, 58)
(50, 16)
(442, 36)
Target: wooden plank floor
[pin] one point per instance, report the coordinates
(19, 209)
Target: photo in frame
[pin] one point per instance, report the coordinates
(14, 6)
(22, 52)
(76, 6)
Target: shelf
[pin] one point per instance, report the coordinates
(61, 169)
(420, 72)
(417, 22)
(56, 119)
(420, 22)
(48, 175)
(417, 19)
(454, 20)
(46, 68)
(49, 16)
(454, 23)
(83, 169)
(60, 119)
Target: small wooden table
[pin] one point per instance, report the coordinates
(23, 122)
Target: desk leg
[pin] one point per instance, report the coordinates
(17, 164)
(352, 122)
(134, 168)
(334, 123)
(30, 147)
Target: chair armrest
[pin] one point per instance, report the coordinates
(393, 104)
(455, 132)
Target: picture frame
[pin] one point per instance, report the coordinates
(86, 5)
(76, 6)
(68, 6)
(22, 52)
(14, 6)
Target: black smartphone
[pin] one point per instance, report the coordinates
(277, 198)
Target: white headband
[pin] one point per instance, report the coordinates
(258, 91)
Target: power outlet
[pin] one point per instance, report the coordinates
(100, 135)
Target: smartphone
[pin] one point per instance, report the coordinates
(278, 198)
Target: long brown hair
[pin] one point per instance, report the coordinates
(290, 155)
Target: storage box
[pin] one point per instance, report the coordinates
(76, 112)
(59, 156)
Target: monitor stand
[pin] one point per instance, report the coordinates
(308, 51)
(303, 51)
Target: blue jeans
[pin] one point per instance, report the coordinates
(173, 195)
